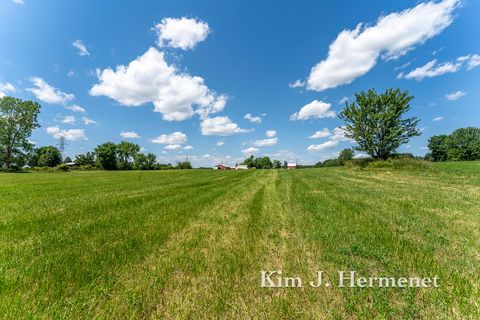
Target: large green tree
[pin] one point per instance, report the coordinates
(438, 147)
(464, 144)
(346, 154)
(49, 156)
(376, 122)
(106, 156)
(126, 153)
(18, 119)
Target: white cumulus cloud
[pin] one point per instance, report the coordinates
(82, 49)
(75, 108)
(219, 126)
(188, 148)
(129, 135)
(71, 134)
(68, 120)
(265, 142)
(47, 93)
(297, 84)
(173, 147)
(326, 145)
(251, 150)
(270, 133)
(6, 87)
(253, 119)
(431, 69)
(173, 138)
(315, 109)
(87, 121)
(336, 136)
(473, 61)
(354, 52)
(183, 33)
(149, 78)
(455, 95)
(320, 134)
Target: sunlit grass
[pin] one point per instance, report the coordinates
(191, 244)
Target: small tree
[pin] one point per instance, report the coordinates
(106, 156)
(49, 156)
(126, 153)
(145, 162)
(249, 162)
(87, 159)
(438, 148)
(18, 119)
(184, 165)
(277, 164)
(375, 121)
(67, 160)
(346, 154)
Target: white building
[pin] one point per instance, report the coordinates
(291, 165)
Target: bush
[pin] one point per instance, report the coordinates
(358, 163)
(332, 163)
(42, 169)
(401, 163)
(62, 167)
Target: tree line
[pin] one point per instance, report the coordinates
(108, 156)
(375, 121)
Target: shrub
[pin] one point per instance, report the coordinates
(401, 163)
(62, 167)
(358, 163)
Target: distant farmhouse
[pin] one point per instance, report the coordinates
(291, 165)
(221, 166)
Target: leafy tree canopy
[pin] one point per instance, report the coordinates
(18, 119)
(376, 123)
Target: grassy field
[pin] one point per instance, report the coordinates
(191, 244)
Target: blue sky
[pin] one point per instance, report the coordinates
(181, 77)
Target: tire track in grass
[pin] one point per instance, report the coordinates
(177, 278)
(374, 244)
(95, 270)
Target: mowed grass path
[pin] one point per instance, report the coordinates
(191, 244)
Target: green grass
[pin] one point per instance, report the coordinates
(191, 244)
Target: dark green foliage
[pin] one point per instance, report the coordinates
(106, 156)
(126, 152)
(375, 121)
(184, 165)
(346, 154)
(250, 162)
(438, 147)
(332, 163)
(259, 163)
(163, 166)
(145, 162)
(462, 145)
(62, 167)
(49, 156)
(18, 119)
(277, 164)
(263, 163)
(87, 159)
